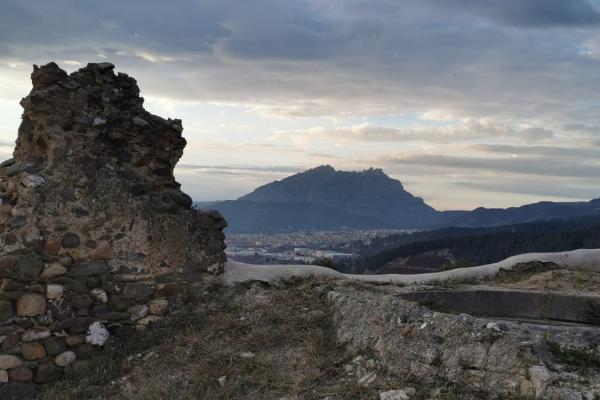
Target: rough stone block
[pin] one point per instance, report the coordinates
(33, 351)
(31, 305)
(8, 361)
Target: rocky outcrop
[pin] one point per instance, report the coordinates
(95, 232)
(486, 358)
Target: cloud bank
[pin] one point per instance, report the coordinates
(512, 86)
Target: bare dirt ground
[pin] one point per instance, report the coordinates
(247, 342)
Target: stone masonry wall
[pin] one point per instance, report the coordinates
(94, 231)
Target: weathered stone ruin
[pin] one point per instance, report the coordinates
(487, 358)
(95, 233)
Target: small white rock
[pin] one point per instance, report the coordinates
(97, 334)
(99, 121)
(33, 334)
(138, 312)
(33, 181)
(54, 291)
(222, 381)
(247, 354)
(99, 295)
(496, 327)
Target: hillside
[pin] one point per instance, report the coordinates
(459, 247)
(543, 210)
(251, 216)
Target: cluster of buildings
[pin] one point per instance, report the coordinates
(302, 247)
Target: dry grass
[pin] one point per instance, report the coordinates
(505, 277)
(450, 283)
(564, 281)
(523, 271)
(288, 330)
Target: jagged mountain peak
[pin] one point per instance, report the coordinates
(326, 198)
(325, 181)
(325, 168)
(328, 169)
(369, 192)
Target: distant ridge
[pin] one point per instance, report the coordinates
(541, 211)
(323, 198)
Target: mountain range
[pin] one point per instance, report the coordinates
(323, 198)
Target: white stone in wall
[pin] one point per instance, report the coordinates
(31, 335)
(33, 181)
(97, 334)
(54, 291)
(99, 295)
(64, 359)
(99, 121)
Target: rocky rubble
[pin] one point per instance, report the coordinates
(95, 234)
(488, 359)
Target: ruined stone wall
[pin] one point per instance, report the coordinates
(95, 233)
(488, 358)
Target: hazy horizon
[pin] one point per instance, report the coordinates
(467, 103)
(414, 194)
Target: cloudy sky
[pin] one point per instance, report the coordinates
(468, 102)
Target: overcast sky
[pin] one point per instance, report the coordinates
(467, 102)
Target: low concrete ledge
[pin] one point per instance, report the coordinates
(512, 304)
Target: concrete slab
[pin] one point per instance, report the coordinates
(506, 303)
